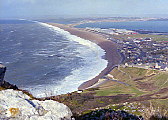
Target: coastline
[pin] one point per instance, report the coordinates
(112, 20)
(112, 55)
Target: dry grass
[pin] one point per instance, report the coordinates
(154, 37)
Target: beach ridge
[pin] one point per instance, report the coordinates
(111, 53)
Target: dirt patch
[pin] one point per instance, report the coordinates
(151, 96)
(146, 86)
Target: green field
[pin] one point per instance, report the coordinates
(154, 37)
(141, 81)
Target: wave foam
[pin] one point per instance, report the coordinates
(93, 65)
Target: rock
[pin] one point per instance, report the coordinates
(7, 85)
(2, 74)
(3, 83)
(19, 106)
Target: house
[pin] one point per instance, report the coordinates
(137, 41)
(148, 39)
(126, 64)
(164, 68)
(79, 91)
(157, 65)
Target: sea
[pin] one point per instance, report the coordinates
(46, 60)
(157, 26)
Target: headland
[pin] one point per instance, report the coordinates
(112, 55)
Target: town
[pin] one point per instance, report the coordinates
(138, 51)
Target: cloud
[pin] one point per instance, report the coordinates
(18, 1)
(29, 1)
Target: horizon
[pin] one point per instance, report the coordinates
(67, 17)
(54, 9)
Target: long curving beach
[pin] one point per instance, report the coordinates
(112, 54)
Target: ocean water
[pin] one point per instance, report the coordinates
(158, 26)
(47, 60)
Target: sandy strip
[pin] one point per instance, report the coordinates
(110, 48)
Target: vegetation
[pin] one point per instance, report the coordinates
(135, 110)
(2, 88)
(7, 85)
(154, 37)
(135, 92)
(117, 88)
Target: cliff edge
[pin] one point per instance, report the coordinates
(17, 105)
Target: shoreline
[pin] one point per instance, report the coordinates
(109, 20)
(111, 53)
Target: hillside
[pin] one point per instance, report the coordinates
(125, 93)
(134, 90)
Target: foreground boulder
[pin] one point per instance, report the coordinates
(19, 106)
(2, 74)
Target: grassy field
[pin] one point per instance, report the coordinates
(112, 88)
(143, 87)
(154, 37)
(141, 81)
(146, 86)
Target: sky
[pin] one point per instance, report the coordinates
(82, 8)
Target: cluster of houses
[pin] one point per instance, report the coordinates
(153, 54)
(111, 31)
(139, 52)
(145, 53)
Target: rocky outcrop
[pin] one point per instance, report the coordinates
(17, 105)
(2, 74)
(4, 83)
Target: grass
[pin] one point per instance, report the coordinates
(1, 88)
(161, 79)
(113, 92)
(147, 109)
(112, 88)
(135, 72)
(146, 77)
(142, 82)
(119, 75)
(154, 37)
(162, 102)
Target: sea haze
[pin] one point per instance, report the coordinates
(47, 60)
(158, 26)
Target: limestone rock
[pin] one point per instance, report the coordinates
(2, 74)
(16, 105)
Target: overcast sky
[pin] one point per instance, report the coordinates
(82, 8)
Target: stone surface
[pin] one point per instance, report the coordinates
(19, 106)
(2, 74)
